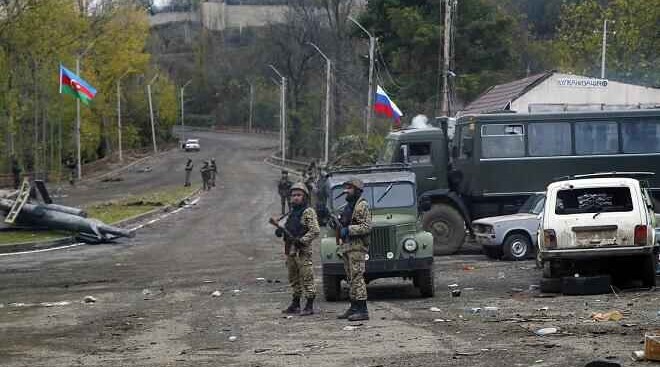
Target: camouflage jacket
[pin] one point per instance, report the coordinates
(360, 228)
(312, 231)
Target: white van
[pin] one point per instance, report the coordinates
(596, 218)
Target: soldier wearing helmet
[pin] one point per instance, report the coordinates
(283, 187)
(302, 228)
(355, 231)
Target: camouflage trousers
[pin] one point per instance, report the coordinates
(301, 274)
(354, 266)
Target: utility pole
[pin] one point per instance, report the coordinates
(183, 126)
(282, 112)
(370, 96)
(444, 105)
(121, 157)
(251, 106)
(328, 70)
(151, 114)
(78, 153)
(604, 50)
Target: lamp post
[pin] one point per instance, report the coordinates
(282, 112)
(151, 114)
(370, 96)
(78, 153)
(183, 126)
(328, 70)
(121, 157)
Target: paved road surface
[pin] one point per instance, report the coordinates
(154, 304)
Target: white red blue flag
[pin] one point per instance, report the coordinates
(384, 105)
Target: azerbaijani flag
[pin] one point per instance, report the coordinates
(385, 106)
(74, 85)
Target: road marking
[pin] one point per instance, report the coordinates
(194, 202)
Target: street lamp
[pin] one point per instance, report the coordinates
(282, 112)
(183, 126)
(121, 157)
(78, 154)
(151, 114)
(372, 46)
(328, 68)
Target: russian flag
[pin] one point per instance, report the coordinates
(385, 106)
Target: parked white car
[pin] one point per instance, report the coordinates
(591, 221)
(191, 145)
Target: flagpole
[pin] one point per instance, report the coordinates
(78, 158)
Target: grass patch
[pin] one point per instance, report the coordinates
(23, 236)
(130, 206)
(108, 212)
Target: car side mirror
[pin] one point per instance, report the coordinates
(425, 204)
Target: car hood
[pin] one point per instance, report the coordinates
(502, 219)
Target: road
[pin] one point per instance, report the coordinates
(154, 305)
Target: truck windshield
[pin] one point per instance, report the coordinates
(594, 200)
(533, 205)
(388, 152)
(400, 195)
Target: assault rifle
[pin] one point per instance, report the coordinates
(275, 221)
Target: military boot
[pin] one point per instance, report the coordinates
(361, 313)
(294, 307)
(351, 310)
(309, 307)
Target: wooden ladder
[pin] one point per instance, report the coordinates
(21, 199)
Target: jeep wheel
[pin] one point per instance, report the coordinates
(425, 282)
(648, 270)
(331, 287)
(447, 227)
(516, 247)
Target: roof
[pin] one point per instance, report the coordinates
(373, 178)
(499, 97)
(594, 182)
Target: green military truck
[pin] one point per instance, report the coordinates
(495, 161)
(398, 248)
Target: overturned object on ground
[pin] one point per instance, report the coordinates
(59, 217)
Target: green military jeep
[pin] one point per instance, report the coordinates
(398, 248)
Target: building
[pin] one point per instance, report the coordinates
(552, 91)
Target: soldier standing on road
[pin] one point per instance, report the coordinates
(355, 231)
(213, 171)
(189, 168)
(302, 228)
(283, 188)
(205, 170)
(71, 164)
(16, 171)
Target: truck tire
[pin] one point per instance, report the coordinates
(516, 247)
(331, 287)
(648, 269)
(447, 227)
(425, 282)
(550, 285)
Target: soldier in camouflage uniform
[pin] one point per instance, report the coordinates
(355, 231)
(301, 229)
(283, 188)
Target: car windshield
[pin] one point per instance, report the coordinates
(193, 141)
(594, 200)
(385, 195)
(533, 205)
(388, 152)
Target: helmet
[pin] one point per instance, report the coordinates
(355, 182)
(299, 186)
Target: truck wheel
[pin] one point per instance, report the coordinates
(425, 282)
(516, 247)
(331, 287)
(648, 270)
(447, 227)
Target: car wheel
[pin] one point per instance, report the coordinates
(648, 269)
(516, 247)
(447, 227)
(331, 287)
(493, 252)
(425, 282)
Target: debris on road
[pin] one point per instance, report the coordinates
(652, 347)
(350, 328)
(468, 267)
(146, 292)
(261, 279)
(607, 316)
(89, 299)
(435, 309)
(233, 338)
(638, 355)
(216, 294)
(603, 363)
(546, 331)
(261, 350)
(455, 292)
(236, 291)
(467, 354)
(441, 320)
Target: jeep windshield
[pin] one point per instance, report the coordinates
(594, 200)
(379, 196)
